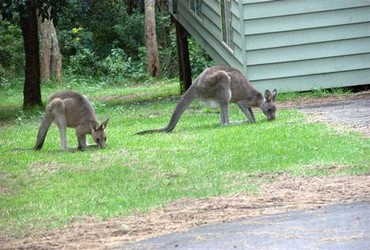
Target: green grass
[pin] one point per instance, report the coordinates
(47, 188)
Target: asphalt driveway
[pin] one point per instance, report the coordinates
(342, 226)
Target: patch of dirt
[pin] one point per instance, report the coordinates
(348, 112)
(128, 97)
(323, 100)
(279, 192)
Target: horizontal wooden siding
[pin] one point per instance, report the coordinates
(300, 45)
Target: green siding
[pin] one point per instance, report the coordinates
(306, 21)
(310, 67)
(269, 9)
(291, 44)
(300, 45)
(308, 36)
(309, 82)
(309, 51)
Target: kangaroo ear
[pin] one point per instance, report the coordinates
(268, 95)
(274, 94)
(93, 129)
(104, 124)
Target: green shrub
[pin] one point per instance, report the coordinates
(117, 66)
(72, 41)
(84, 63)
(199, 59)
(11, 49)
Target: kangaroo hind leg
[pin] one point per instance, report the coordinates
(224, 115)
(58, 110)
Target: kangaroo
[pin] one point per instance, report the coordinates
(70, 109)
(216, 87)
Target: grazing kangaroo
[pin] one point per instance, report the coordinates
(70, 109)
(216, 87)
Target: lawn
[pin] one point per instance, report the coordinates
(46, 189)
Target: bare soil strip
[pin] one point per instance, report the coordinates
(279, 193)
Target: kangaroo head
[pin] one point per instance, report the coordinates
(98, 134)
(268, 106)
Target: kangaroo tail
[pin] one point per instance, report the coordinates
(43, 130)
(185, 101)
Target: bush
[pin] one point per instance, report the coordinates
(84, 63)
(117, 66)
(129, 34)
(72, 41)
(11, 49)
(199, 59)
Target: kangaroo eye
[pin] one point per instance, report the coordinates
(97, 140)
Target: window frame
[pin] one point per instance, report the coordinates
(226, 23)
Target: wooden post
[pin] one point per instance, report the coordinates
(183, 56)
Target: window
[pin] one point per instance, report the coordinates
(226, 18)
(196, 7)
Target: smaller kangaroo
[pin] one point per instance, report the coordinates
(72, 110)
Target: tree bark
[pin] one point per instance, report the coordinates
(164, 38)
(183, 56)
(50, 57)
(153, 64)
(31, 90)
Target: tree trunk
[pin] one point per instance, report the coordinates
(153, 65)
(183, 56)
(165, 28)
(31, 90)
(50, 57)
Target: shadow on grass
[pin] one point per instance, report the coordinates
(10, 114)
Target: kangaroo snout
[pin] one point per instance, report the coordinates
(101, 142)
(271, 118)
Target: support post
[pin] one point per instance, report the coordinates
(183, 56)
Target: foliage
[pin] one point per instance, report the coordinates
(130, 31)
(118, 66)
(109, 25)
(84, 63)
(73, 41)
(199, 59)
(11, 49)
(199, 158)
(9, 8)
(105, 39)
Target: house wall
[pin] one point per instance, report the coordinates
(301, 45)
(290, 45)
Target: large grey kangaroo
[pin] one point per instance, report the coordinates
(70, 109)
(216, 87)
